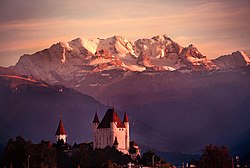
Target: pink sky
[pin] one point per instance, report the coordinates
(214, 27)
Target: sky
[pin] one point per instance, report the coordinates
(215, 27)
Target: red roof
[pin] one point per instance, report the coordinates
(111, 116)
(96, 119)
(132, 143)
(60, 130)
(125, 119)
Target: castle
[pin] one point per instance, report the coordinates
(111, 131)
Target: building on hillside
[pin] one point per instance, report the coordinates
(111, 131)
(60, 132)
(134, 150)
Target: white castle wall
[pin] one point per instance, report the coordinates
(61, 137)
(106, 136)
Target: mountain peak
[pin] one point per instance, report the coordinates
(233, 60)
(118, 37)
(192, 51)
(243, 53)
(64, 60)
(191, 46)
(161, 37)
(88, 44)
(65, 45)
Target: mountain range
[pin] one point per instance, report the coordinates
(65, 61)
(177, 99)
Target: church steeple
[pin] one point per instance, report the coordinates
(60, 132)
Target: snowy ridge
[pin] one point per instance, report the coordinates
(235, 60)
(245, 56)
(66, 60)
(17, 80)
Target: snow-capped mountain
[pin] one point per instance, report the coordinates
(66, 61)
(154, 80)
(235, 60)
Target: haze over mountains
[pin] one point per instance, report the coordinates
(177, 98)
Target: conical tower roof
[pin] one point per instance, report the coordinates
(125, 119)
(96, 119)
(60, 130)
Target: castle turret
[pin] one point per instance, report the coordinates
(125, 118)
(127, 138)
(60, 132)
(96, 122)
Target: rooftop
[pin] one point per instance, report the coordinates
(60, 130)
(111, 116)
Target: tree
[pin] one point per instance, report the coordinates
(215, 157)
(99, 157)
(109, 164)
(147, 158)
(18, 152)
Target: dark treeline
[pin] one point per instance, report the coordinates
(20, 153)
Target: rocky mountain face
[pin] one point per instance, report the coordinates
(235, 60)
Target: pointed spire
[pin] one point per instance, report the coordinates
(125, 119)
(60, 130)
(96, 119)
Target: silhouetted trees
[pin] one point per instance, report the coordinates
(215, 157)
(149, 157)
(19, 152)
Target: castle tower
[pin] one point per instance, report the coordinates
(127, 138)
(60, 132)
(111, 129)
(96, 122)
